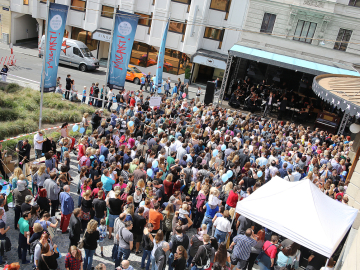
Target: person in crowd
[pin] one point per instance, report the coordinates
(3, 231)
(47, 260)
(67, 207)
(24, 233)
(91, 236)
(147, 239)
(73, 260)
(75, 227)
(19, 195)
(267, 261)
(53, 192)
(160, 256)
(203, 255)
(126, 240)
(43, 201)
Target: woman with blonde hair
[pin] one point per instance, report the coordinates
(141, 185)
(228, 187)
(15, 177)
(91, 236)
(129, 211)
(39, 178)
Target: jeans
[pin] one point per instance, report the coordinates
(153, 264)
(188, 263)
(109, 107)
(220, 236)
(34, 187)
(123, 254)
(89, 253)
(83, 99)
(38, 153)
(208, 222)
(146, 254)
(170, 260)
(114, 251)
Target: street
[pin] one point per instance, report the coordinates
(27, 72)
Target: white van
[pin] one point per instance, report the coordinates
(74, 53)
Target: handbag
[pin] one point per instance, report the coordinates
(85, 215)
(258, 258)
(81, 242)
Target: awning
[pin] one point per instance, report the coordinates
(341, 91)
(289, 62)
(210, 58)
(102, 35)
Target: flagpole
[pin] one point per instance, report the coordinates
(44, 63)
(108, 61)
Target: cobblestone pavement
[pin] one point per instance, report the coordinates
(62, 240)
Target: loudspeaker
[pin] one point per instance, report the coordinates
(210, 91)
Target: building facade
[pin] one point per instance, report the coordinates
(324, 33)
(5, 21)
(198, 39)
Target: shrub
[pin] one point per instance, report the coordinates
(12, 88)
(8, 114)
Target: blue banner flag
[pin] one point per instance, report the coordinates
(160, 60)
(54, 38)
(121, 47)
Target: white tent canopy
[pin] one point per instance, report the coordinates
(300, 212)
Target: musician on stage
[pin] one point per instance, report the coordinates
(282, 107)
(252, 102)
(268, 105)
(304, 113)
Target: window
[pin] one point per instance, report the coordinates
(144, 19)
(212, 33)
(77, 52)
(107, 11)
(146, 55)
(177, 27)
(343, 38)
(25, 2)
(85, 37)
(182, 1)
(267, 25)
(355, 3)
(78, 5)
(41, 1)
(221, 5)
(304, 31)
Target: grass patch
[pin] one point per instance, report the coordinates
(20, 110)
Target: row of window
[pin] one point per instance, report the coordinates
(305, 31)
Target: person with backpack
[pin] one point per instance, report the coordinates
(178, 239)
(203, 256)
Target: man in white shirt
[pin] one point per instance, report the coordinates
(268, 105)
(222, 227)
(38, 142)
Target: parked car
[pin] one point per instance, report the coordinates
(133, 73)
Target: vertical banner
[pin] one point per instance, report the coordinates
(121, 47)
(53, 38)
(160, 60)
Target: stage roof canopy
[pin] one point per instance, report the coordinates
(289, 62)
(342, 91)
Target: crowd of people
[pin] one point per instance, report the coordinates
(149, 176)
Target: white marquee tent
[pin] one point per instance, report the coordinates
(300, 212)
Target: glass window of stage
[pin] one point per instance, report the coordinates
(343, 38)
(304, 31)
(268, 22)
